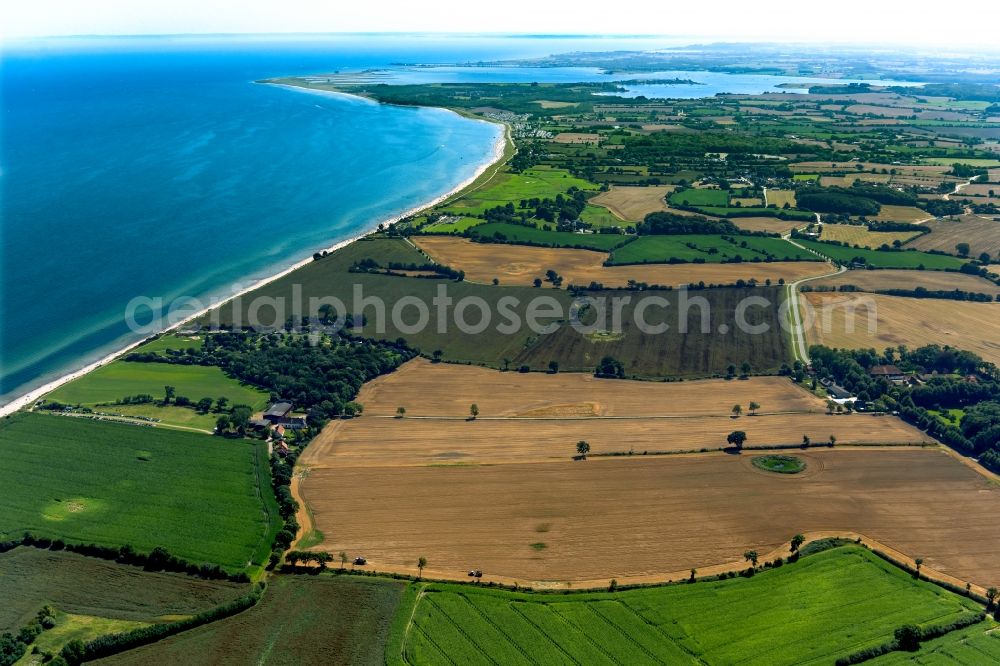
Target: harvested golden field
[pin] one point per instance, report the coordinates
(520, 265)
(576, 137)
(781, 197)
(902, 214)
(901, 279)
(896, 320)
(641, 517)
(634, 203)
(549, 104)
(769, 224)
(446, 389)
(540, 417)
(857, 234)
(982, 234)
(851, 178)
(419, 442)
(746, 202)
(982, 189)
(851, 167)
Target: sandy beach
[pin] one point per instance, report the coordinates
(499, 144)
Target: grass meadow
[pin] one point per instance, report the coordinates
(886, 259)
(825, 606)
(123, 378)
(709, 249)
(535, 183)
(205, 499)
(517, 233)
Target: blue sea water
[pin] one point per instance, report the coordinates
(157, 167)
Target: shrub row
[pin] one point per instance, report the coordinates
(158, 559)
(908, 638)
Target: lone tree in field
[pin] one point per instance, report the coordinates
(991, 597)
(736, 438)
(962, 249)
(919, 561)
(421, 563)
(745, 369)
(473, 410)
(343, 559)
(806, 441)
(797, 542)
(830, 406)
(553, 367)
(737, 410)
(730, 371)
(751, 557)
(400, 412)
(583, 448)
(168, 394)
(754, 406)
(833, 440)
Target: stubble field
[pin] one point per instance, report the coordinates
(641, 517)
(634, 203)
(897, 320)
(903, 279)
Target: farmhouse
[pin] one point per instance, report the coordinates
(890, 372)
(280, 413)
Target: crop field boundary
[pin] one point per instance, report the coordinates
(885, 551)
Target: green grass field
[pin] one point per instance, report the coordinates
(300, 620)
(972, 646)
(970, 161)
(754, 211)
(598, 216)
(699, 197)
(123, 378)
(708, 248)
(825, 606)
(170, 341)
(517, 233)
(205, 499)
(458, 225)
(92, 587)
(882, 259)
(505, 187)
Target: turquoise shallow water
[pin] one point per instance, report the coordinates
(165, 171)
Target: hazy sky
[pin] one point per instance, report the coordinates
(961, 24)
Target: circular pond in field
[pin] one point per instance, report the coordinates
(779, 464)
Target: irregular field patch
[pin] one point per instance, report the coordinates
(204, 499)
(898, 320)
(634, 203)
(643, 516)
(88, 586)
(300, 620)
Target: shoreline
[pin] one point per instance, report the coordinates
(496, 156)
